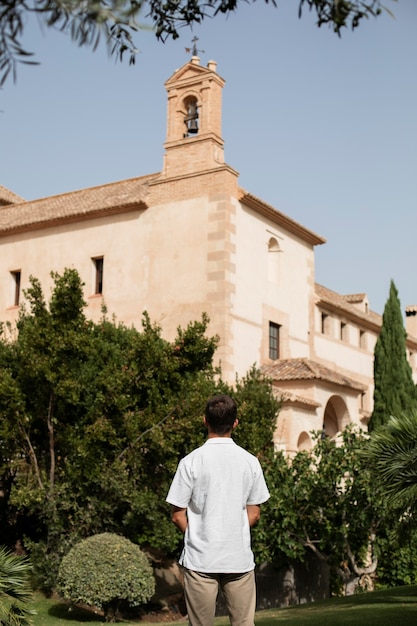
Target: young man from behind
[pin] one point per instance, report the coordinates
(216, 495)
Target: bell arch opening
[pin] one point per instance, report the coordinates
(191, 116)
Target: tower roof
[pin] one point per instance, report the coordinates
(191, 71)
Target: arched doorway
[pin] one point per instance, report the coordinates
(336, 416)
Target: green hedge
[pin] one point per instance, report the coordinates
(105, 571)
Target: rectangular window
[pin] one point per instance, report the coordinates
(274, 340)
(99, 269)
(362, 339)
(343, 331)
(324, 324)
(16, 279)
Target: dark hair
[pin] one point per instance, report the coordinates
(221, 412)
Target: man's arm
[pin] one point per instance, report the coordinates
(179, 518)
(254, 513)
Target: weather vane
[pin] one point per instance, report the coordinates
(194, 49)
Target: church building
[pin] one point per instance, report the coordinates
(190, 240)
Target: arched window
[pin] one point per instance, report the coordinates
(304, 442)
(273, 260)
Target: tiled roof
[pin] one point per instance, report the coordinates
(343, 303)
(355, 297)
(305, 369)
(8, 197)
(17, 215)
(288, 397)
(280, 218)
(86, 203)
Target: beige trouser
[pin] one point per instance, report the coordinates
(201, 590)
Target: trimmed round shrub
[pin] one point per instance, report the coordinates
(106, 571)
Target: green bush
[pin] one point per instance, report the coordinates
(106, 571)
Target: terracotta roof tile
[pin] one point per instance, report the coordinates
(92, 202)
(8, 197)
(288, 397)
(305, 369)
(354, 297)
(344, 303)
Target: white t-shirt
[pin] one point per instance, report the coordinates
(215, 483)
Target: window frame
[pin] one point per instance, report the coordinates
(16, 276)
(98, 262)
(274, 341)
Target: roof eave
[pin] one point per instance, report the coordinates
(74, 217)
(270, 212)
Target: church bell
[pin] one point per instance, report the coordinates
(191, 119)
(192, 126)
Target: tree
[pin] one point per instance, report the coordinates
(117, 21)
(93, 405)
(96, 417)
(15, 591)
(394, 388)
(323, 503)
(106, 571)
(334, 503)
(392, 452)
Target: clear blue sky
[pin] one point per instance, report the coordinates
(323, 128)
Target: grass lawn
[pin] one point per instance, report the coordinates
(387, 607)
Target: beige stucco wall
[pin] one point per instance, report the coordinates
(39, 252)
(154, 260)
(259, 300)
(347, 355)
(334, 407)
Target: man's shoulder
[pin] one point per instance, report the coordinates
(191, 455)
(246, 452)
(246, 456)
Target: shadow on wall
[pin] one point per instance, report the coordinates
(296, 584)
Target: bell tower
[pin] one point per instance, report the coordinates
(193, 141)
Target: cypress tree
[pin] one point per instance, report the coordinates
(394, 388)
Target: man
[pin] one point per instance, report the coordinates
(216, 495)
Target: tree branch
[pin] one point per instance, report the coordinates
(145, 432)
(32, 455)
(50, 424)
